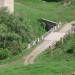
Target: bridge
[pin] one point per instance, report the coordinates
(49, 41)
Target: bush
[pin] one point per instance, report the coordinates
(3, 54)
(14, 32)
(14, 48)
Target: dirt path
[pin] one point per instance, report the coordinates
(48, 42)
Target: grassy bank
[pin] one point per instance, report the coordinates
(52, 62)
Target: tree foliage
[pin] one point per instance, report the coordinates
(15, 33)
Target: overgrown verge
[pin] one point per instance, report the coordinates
(64, 51)
(15, 34)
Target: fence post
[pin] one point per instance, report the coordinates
(29, 46)
(38, 39)
(59, 24)
(55, 28)
(34, 42)
(42, 37)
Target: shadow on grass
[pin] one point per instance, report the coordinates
(52, 0)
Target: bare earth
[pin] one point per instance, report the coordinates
(48, 42)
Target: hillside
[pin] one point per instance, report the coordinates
(36, 9)
(57, 61)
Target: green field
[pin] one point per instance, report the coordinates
(52, 62)
(36, 9)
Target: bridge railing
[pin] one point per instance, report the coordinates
(55, 29)
(38, 40)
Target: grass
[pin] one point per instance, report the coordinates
(39, 9)
(51, 62)
(55, 62)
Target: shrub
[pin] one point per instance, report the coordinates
(14, 32)
(3, 54)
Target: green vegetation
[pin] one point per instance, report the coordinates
(15, 34)
(52, 62)
(36, 9)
